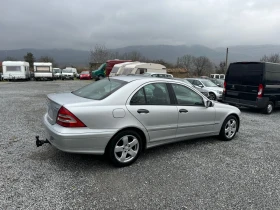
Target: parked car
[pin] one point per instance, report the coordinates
(67, 74)
(153, 74)
(203, 91)
(253, 84)
(215, 92)
(85, 75)
(57, 73)
(122, 116)
(218, 82)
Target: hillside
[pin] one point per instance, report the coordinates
(169, 53)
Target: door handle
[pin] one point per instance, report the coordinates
(145, 111)
(183, 111)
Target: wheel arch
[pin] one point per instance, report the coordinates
(144, 137)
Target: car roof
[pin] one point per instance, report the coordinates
(130, 79)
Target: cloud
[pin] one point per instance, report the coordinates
(80, 24)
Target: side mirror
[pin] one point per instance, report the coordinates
(201, 86)
(209, 103)
(218, 85)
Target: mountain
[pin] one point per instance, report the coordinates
(169, 53)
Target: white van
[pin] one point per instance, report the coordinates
(13, 70)
(43, 71)
(218, 76)
(118, 68)
(74, 70)
(57, 73)
(141, 68)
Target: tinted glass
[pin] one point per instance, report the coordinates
(13, 68)
(245, 73)
(138, 98)
(100, 89)
(197, 83)
(272, 74)
(186, 96)
(157, 94)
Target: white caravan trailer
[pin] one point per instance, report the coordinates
(43, 71)
(118, 68)
(141, 68)
(13, 70)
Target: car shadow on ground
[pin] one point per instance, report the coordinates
(70, 161)
(257, 111)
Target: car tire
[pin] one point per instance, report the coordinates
(269, 108)
(229, 128)
(124, 148)
(212, 96)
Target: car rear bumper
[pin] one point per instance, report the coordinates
(259, 103)
(78, 140)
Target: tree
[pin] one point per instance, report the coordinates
(186, 62)
(274, 58)
(46, 59)
(100, 54)
(29, 57)
(9, 58)
(221, 69)
(202, 65)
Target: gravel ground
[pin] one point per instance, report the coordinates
(198, 174)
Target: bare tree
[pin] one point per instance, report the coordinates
(202, 65)
(274, 58)
(186, 62)
(9, 58)
(221, 69)
(100, 54)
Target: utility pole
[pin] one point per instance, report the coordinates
(227, 59)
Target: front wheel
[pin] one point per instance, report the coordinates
(269, 108)
(212, 96)
(229, 128)
(125, 148)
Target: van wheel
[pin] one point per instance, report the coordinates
(269, 108)
(124, 148)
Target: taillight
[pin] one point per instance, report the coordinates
(225, 87)
(66, 118)
(260, 91)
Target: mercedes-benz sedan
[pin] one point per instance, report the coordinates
(123, 116)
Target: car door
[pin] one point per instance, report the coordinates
(194, 118)
(151, 106)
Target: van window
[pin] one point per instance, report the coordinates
(217, 76)
(13, 68)
(141, 71)
(272, 74)
(245, 73)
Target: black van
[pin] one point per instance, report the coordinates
(253, 84)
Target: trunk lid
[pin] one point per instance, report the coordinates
(56, 101)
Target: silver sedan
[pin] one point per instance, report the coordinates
(123, 116)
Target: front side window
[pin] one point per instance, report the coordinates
(13, 68)
(100, 89)
(186, 96)
(208, 83)
(197, 83)
(152, 94)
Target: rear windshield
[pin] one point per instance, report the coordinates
(100, 89)
(85, 72)
(245, 73)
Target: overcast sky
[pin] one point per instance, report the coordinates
(80, 24)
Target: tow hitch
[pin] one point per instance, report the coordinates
(41, 142)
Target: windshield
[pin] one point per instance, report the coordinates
(208, 83)
(101, 66)
(146, 74)
(85, 72)
(100, 89)
(115, 69)
(66, 71)
(56, 70)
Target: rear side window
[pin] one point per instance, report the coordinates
(245, 74)
(100, 89)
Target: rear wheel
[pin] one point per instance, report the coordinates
(229, 128)
(269, 108)
(125, 148)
